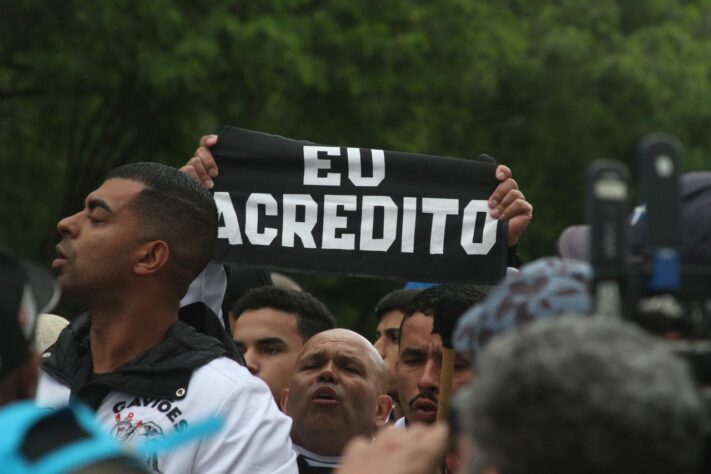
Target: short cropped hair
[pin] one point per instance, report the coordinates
(312, 316)
(396, 300)
(450, 295)
(427, 300)
(583, 395)
(177, 209)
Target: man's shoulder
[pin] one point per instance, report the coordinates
(224, 371)
(227, 376)
(50, 391)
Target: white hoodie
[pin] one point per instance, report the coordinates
(254, 438)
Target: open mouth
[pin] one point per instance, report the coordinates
(424, 410)
(61, 258)
(324, 396)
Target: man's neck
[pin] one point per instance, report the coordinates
(315, 459)
(329, 444)
(121, 333)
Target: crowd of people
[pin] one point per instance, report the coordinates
(158, 375)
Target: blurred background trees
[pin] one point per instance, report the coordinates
(545, 87)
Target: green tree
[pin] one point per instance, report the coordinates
(545, 87)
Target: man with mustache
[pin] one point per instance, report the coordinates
(419, 361)
(337, 393)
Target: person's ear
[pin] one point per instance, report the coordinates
(151, 257)
(284, 400)
(384, 405)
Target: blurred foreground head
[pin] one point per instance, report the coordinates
(583, 395)
(545, 288)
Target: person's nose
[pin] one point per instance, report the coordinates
(379, 345)
(252, 362)
(327, 374)
(429, 379)
(68, 227)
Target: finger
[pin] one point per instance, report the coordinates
(509, 199)
(437, 440)
(428, 449)
(208, 161)
(503, 172)
(190, 171)
(520, 207)
(355, 447)
(208, 140)
(519, 223)
(199, 166)
(390, 438)
(203, 177)
(501, 190)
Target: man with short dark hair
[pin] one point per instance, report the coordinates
(389, 313)
(583, 395)
(337, 393)
(33, 436)
(420, 352)
(271, 326)
(130, 255)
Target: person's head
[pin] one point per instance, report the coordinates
(270, 327)
(546, 288)
(581, 395)
(389, 313)
(148, 226)
(337, 392)
(25, 291)
(420, 352)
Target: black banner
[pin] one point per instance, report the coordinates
(300, 206)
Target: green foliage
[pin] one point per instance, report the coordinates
(545, 87)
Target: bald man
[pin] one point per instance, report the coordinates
(337, 392)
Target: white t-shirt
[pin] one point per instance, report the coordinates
(209, 288)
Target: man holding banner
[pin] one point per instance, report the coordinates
(298, 205)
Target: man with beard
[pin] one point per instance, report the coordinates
(420, 353)
(337, 393)
(130, 255)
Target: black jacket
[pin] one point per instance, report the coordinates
(160, 372)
